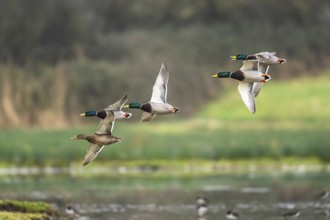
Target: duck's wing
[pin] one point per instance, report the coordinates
(245, 89)
(248, 65)
(118, 105)
(264, 55)
(92, 152)
(106, 125)
(159, 90)
(263, 68)
(256, 88)
(146, 116)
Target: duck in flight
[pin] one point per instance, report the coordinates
(103, 136)
(114, 108)
(262, 62)
(157, 104)
(246, 76)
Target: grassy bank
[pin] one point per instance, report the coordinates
(292, 120)
(13, 210)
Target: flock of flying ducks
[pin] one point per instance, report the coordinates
(252, 75)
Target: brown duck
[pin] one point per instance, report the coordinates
(103, 136)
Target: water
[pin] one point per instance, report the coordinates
(166, 197)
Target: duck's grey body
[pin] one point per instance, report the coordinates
(267, 58)
(116, 109)
(113, 109)
(261, 62)
(157, 104)
(248, 76)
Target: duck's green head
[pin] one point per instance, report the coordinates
(224, 74)
(239, 57)
(88, 113)
(133, 105)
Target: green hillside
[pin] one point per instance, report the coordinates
(303, 99)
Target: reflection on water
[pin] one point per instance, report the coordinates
(166, 197)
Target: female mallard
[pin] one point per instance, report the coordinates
(157, 104)
(114, 108)
(247, 77)
(103, 136)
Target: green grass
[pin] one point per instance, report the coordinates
(298, 100)
(292, 120)
(11, 209)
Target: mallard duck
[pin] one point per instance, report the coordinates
(247, 77)
(157, 104)
(268, 58)
(323, 196)
(202, 209)
(201, 200)
(291, 214)
(103, 136)
(232, 215)
(114, 108)
(263, 61)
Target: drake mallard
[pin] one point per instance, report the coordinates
(268, 58)
(263, 61)
(103, 136)
(157, 104)
(114, 108)
(247, 77)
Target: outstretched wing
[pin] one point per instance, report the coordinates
(245, 89)
(106, 125)
(159, 90)
(248, 65)
(118, 105)
(265, 55)
(256, 88)
(92, 152)
(263, 68)
(146, 116)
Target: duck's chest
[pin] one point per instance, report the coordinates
(161, 108)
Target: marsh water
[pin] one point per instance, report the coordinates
(144, 196)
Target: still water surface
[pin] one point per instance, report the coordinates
(172, 197)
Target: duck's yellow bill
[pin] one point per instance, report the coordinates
(126, 106)
(215, 75)
(233, 57)
(83, 115)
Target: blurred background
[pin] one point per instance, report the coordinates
(61, 58)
